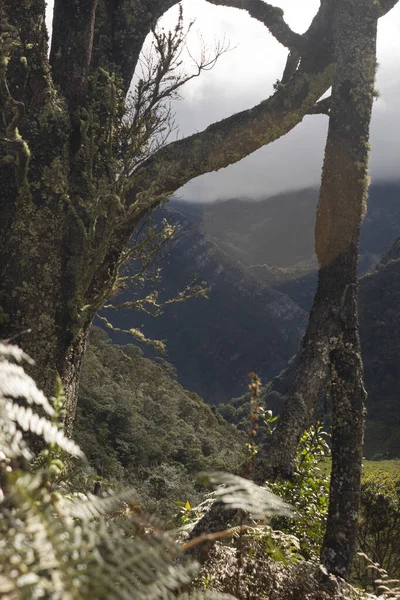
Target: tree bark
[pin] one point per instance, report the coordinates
(330, 359)
(342, 205)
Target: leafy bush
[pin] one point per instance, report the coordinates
(308, 492)
(379, 526)
(137, 426)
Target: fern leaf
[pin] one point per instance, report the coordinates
(29, 421)
(15, 383)
(85, 507)
(243, 494)
(11, 352)
(12, 444)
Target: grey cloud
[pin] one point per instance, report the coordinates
(295, 160)
(245, 76)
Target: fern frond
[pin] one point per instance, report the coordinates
(85, 507)
(12, 444)
(166, 583)
(30, 421)
(15, 383)
(141, 568)
(10, 352)
(243, 494)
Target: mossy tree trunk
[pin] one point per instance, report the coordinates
(329, 362)
(67, 214)
(33, 235)
(342, 205)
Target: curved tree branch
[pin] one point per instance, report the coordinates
(231, 139)
(386, 6)
(272, 17)
(218, 146)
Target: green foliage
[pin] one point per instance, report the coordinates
(17, 417)
(308, 492)
(277, 545)
(137, 426)
(379, 525)
(64, 547)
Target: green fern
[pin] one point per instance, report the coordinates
(243, 494)
(81, 506)
(66, 547)
(15, 417)
(71, 546)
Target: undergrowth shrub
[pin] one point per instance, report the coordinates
(60, 544)
(308, 492)
(379, 527)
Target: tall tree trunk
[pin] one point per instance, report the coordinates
(330, 356)
(37, 225)
(330, 360)
(342, 205)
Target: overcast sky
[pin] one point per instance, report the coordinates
(244, 76)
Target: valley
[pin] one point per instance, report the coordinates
(258, 259)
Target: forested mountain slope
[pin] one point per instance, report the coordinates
(243, 326)
(274, 237)
(279, 230)
(137, 425)
(258, 258)
(380, 339)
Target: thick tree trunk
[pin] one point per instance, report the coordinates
(37, 228)
(343, 195)
(330, 359)
(35, 294)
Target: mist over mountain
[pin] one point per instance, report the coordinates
(244, 325)
(258, 257)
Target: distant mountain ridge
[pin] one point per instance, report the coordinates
(275, 237)
(279, 230)
(259, 258)
(380, 341)
(214, 343)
